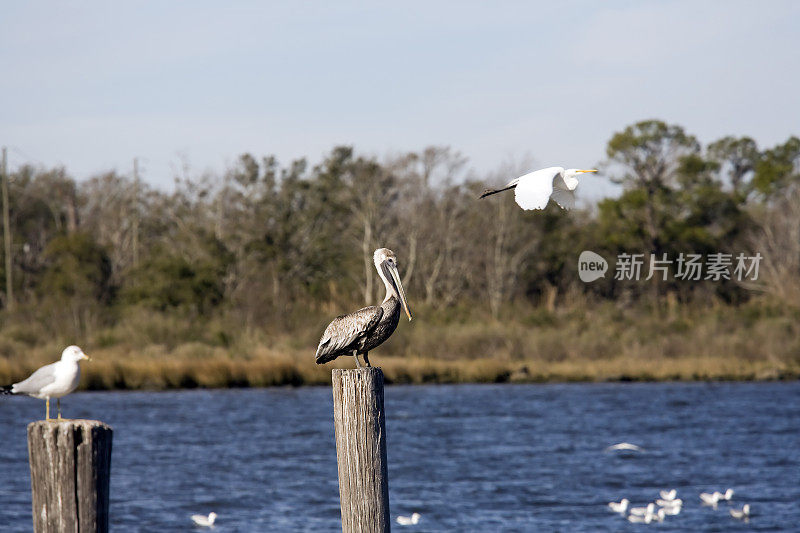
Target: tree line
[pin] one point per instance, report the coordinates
(268, 244)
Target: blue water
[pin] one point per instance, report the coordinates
(467, 457)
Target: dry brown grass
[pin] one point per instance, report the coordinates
(755, 342)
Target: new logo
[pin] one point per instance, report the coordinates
(591, 266)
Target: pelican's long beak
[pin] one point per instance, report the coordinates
(587, 170)
(399, 286)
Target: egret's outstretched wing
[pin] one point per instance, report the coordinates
(37, 381)
(566, 199)
(533, 190)
(344, 331)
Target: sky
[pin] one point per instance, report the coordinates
(188, 86)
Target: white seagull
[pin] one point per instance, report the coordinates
(672, 510)
(619, 507)
(534, 190)
(409, 520)
(710, 498)
(668, 494)
(204, 521)
(644, 511)
(52, 381)
(670, 507)
(744, 513)
(624, 446)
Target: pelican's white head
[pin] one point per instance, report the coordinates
(386, 265)
(571, 179)
(212, 516)
(74, 354)
(415, 518)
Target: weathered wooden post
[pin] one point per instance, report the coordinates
(361, 449)
(70, 470)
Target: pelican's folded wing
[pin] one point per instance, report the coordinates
(342, 334)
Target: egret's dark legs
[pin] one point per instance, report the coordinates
(366, 358)
(355, 354)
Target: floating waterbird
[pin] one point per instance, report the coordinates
(644, 511)
(741, 514)
(669, 503)
(619, 507)
(533, 190)
(668, 494)
(365, 329)
(625, 446)
(672, 510)
(646, 519)
(204, 521)
(409, 520)
(727, 496)
(52, 381)
(710, 498)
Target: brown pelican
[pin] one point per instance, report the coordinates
(367, 328)
(533, 190)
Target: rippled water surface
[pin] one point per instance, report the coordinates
(467, 457)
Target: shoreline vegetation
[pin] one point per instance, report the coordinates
(753, 342)
(228, 279)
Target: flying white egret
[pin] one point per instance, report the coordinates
(204, 521)
(533, 190)
(52, 381)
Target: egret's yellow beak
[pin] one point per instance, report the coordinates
(587, 171)
(87, 357)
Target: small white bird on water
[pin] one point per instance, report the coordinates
(624, 446)
(672, 510)
(710, 498)
(744, 513)
(534, 190)
(727, 496)
(52, 381)
(409, 520)
(644, 511)
(619, 507)
(668, 494)
(669, 503)
(204, 521)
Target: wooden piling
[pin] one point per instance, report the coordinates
(70, 469)
(361, 449)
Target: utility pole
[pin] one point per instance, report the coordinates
(135, 212)
(7, 235)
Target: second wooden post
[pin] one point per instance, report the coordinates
(361, 449)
